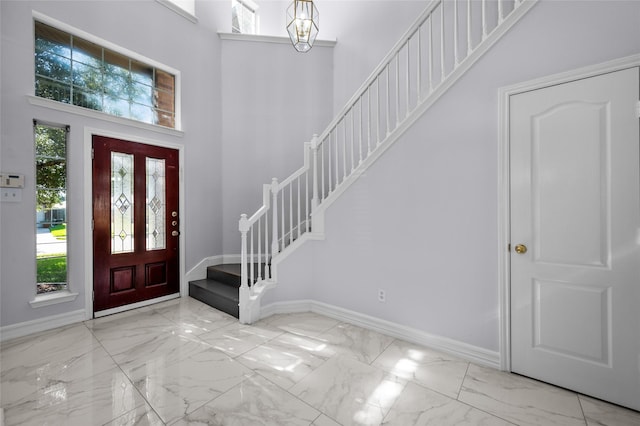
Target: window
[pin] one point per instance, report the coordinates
(244, 17)
(51, 207)
(75, 71)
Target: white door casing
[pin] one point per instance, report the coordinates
(575, 204)
(88, 219)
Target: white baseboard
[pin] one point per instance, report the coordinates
(286, 308)
(453, 347)
(41, 324)
(463, 350)
(199, 271)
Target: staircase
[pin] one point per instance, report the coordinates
(443, 43)
(221, 287)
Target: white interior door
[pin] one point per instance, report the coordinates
(575, 207)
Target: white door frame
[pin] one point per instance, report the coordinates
(88, 208)
(504, 196)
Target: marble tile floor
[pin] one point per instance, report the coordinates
(184, 363)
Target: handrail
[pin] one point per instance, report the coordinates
(429, 57)
(301, 170)
(266, 190)
(376, 72)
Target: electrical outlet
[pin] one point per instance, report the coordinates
(382, 296)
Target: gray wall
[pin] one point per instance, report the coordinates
(152, 30)
(405, 241)
(265, 120)
(366, 31)
(274, 100)
(241, 124)
(422, 222)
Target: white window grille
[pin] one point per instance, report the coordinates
(244, 17)
(76, 71)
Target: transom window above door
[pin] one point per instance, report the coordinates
(78, 71)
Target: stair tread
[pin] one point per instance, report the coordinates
(229, 268)
(221, 288)
(218, 288)
(231, 273)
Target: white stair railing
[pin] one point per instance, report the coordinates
(447, 38)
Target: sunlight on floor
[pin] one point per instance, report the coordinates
(405, 368)
(375, 407)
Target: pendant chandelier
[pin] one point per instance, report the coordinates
(302, 24)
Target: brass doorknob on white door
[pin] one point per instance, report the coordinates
(521, 249)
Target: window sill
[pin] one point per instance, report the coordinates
(52, 299)
(270, 39)
(98, 115)
(180, 11)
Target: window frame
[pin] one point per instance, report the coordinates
(65, 294)
(39, 17)
(38, 157)
(253, 8)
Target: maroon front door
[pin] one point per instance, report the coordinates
(135, 216)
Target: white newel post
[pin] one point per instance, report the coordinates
(245, 291)
(314, 150)
(275, 247)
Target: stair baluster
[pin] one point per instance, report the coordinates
(388, 102)
(275, 246)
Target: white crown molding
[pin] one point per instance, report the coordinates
(270, 39)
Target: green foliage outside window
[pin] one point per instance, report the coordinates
(75, 71)
(51, 190)
(51, 166)
(51, 271)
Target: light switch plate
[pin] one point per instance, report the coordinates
(11, 195)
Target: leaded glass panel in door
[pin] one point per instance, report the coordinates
(122, 199)
(135, 187)
(156, 204)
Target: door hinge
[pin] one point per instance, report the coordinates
(93, 224)
(509, 247)
(93, 153)
(638, 109)
(93, 296)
